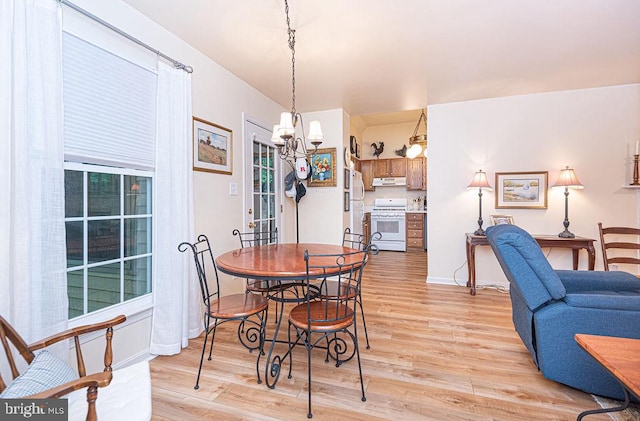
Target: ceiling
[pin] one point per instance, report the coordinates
(383, 56)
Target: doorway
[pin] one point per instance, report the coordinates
(262, 172)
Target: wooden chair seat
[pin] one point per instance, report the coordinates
(238, 305)
(298, 317)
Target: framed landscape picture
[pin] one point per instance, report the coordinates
(211, 147)
(521, 190)
(323, 168)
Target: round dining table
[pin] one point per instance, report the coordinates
(284, 266)
(280, 261)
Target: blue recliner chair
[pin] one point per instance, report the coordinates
(550, 306)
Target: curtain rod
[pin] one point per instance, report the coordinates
(176, 63)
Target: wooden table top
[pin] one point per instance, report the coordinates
(279, 261)
(620, 356)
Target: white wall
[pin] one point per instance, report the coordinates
(593, 131)
(321, 209)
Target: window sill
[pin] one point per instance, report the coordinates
(135, 310)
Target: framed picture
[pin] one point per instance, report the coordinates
(347, 179)
(346, 202)
(501, 219)
(211, 147)
(521, 190)
(323, 168)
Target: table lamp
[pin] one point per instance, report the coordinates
(479, 182)
(566, 179)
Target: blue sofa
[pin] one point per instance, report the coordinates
(550, 306)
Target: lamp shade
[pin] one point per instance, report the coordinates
(286, 125)
(275, 136)
(315, 131)
(480, 181)
(568, 178)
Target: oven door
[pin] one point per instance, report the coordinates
(393, 232)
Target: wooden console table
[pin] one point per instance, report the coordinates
(621, 358)
(576, 244)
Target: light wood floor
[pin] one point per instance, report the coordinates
(437, 353)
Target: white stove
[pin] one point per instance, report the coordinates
(388, 217)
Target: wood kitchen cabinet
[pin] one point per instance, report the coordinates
(366, 168)
(389, 167)
(415, 230)
(417, 174)
(366, 227)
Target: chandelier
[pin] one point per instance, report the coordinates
(290, 146)
(418, 141)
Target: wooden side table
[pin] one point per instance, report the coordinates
(575, 244)
(621, 358)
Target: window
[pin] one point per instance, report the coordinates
(109, 135)
(108, 218)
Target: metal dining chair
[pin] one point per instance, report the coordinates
(221, 309)
(330, 321)
(332, 289)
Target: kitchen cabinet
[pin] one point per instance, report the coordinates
(389, 167)
(417, 174)
(415, 230)
(366, 168)
(366, 227)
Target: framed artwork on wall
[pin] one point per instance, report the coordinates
(211, 147)
(521, 190)
(347, 203)
(323, 168)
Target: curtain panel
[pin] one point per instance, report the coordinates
(177, 303)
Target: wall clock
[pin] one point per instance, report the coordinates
(347, 157)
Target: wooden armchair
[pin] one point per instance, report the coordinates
(623, 241)
(91, 382)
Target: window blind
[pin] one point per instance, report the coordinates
(109, 108)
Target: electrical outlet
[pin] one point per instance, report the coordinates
(613, 267)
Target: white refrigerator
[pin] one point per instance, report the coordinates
(356, 201)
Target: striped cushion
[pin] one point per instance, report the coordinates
(45, 372)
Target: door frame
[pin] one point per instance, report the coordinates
(247, 175)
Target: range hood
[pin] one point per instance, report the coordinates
(389, 181)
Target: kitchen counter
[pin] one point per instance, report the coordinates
(416, 211)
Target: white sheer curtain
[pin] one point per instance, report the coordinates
(32, 232)
(176, 310)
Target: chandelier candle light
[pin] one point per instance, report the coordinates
(480, 182)
(284, 134)
(566, 179)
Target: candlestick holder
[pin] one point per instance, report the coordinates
(636, 175)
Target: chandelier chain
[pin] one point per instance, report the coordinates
(292, 47)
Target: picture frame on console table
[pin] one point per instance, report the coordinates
(522, 190)
(501, 219)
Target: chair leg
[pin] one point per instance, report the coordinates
(354, 336)
(309, 348)
(213, 337)
(204, 349)
(364, 322)
(263, 333)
